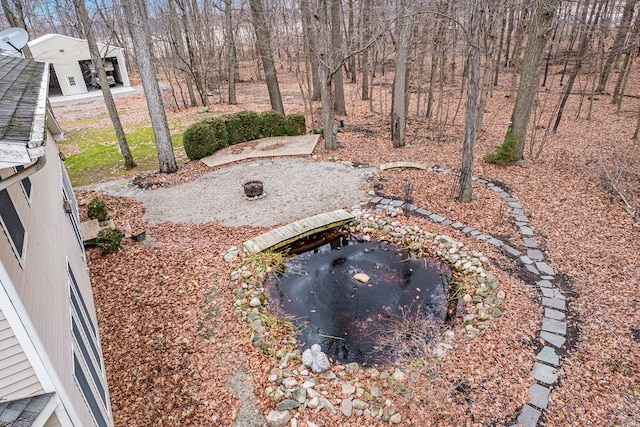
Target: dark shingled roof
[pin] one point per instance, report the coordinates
(23, 412)
(20, 81)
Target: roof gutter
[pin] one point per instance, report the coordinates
(24, 173)
(35, 147)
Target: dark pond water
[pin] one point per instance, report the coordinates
(344, 315)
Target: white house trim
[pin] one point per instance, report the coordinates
(46, 412)
(25, 332)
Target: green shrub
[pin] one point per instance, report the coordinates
(235, 129)
(199, 140)
(504, 154)
(272, 123)
(97, 209)
(295, 124)
(220, 134)
(250, 125)
(109, 240)
(204, 138)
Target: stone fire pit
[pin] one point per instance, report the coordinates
(253, 189)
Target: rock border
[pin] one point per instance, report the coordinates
(553, 327)
(292, 385)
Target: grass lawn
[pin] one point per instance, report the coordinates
(93, 155)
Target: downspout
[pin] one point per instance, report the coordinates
(24, 173)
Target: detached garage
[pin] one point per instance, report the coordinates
(71, 71)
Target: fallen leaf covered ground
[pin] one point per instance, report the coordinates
(171, 340)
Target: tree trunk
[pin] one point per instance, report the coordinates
(326, 66)
(178, 45)
(471, 112)
(310, 48)
(582, 50)
(365, 12)
(517, 48)
(263, 41)
(336, 47)
(436, 54)
(401, 80)
(96, 58)
(137, 21)
(351, 42)
(549, 55)
(231, 47)
(510, 23)
(637, 131)
(618, 43)
(530, 76)
(627, 61)
(496, 76)
(490, 50)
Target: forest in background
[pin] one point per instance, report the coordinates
(432, 48)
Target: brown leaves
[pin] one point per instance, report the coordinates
(171, 340)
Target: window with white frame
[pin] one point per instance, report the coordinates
(12, 225)
(72, 207)
(25, 183)
(88, 368)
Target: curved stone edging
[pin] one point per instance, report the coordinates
(553, 328)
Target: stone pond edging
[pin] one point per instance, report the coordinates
(553, 327)
(292, 385)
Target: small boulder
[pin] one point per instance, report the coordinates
(361, 277)
(278, 418)
(398, 375)
(287, 404)
(395, 419)
(346, 407)
(314, 402)
(315, 359)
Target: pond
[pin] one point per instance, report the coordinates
(359, 300)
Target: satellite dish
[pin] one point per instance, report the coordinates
(13, 39)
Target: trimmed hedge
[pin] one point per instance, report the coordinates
(235, 128)
(295, 124)
(199, 141)
(204, 138)
(250, 125)
(219, 130)
(272, 123)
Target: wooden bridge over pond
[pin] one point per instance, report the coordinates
(287, 234)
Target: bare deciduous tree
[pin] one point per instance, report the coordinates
(263, 41)
(400, 101)
(471, 112)
(96, 58)
(137, 21)
(542, 23)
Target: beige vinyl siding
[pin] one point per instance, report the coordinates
(42, 281)
(17, 378)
